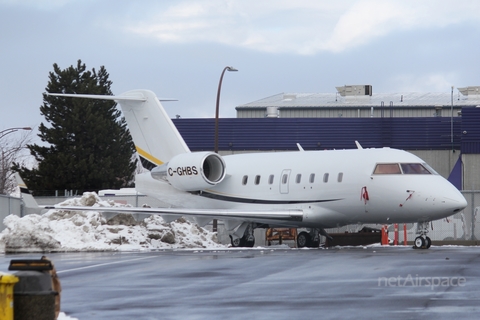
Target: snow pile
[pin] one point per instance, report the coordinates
(63, 230)
(63, 316)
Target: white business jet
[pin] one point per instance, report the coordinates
(301, 189)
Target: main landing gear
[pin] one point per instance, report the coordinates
(422, 241)
(247, 240)
(311, 239)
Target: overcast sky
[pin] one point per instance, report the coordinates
(178, 49)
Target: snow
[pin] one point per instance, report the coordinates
(63, 230)
(63, 316)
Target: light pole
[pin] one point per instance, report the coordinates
(218, 105)
(217, 108)
(10, 130)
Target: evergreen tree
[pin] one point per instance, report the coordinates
(90, 146)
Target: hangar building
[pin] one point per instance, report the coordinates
(358, 101)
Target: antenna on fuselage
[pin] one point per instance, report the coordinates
(358, 145)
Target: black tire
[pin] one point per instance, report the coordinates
(428, 242)
(237, 243)
(419, 243)
(303, 240)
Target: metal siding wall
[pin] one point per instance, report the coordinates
(354, 113)
(471, 167)
(350, 111)
(255, 113)
(9, 205)
(332, 133)
(470, 132)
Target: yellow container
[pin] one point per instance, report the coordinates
(7, 281)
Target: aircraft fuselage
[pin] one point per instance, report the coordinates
(332, 187)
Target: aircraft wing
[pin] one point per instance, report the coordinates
(279, 217)
(266, 216)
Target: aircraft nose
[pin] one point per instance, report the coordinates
(456, 202)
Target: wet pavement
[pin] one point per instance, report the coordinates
(279, 283)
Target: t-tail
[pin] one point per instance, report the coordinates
(156, 138)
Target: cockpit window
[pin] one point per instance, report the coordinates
(387, 168)
(402, 168)
(414, 168)
(432, 171)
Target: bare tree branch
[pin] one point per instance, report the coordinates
(13, 148)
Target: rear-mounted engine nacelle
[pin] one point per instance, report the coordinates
(192, 171)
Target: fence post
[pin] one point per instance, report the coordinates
(473, 216)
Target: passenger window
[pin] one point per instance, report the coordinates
(414, 168)
(312, 178)
(245, 180)
(257, 180)
(340, 177)
(270, 179)
(298, 179)
(387, 168)
(325, 177)
(284, 179)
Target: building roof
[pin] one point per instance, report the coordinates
(336, 100)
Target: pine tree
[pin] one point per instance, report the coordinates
(90, 146)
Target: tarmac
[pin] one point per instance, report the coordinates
(271, 282)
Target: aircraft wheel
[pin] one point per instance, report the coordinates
(303, 240)
(428, 242)
(248, 241)
(419, 243)
(238, 242)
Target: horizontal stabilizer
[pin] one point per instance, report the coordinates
(123, 97)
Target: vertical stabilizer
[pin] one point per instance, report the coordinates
(156, 138)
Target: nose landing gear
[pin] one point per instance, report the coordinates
(422, 241)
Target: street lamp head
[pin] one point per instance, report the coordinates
(231, 69)
(11, 130)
